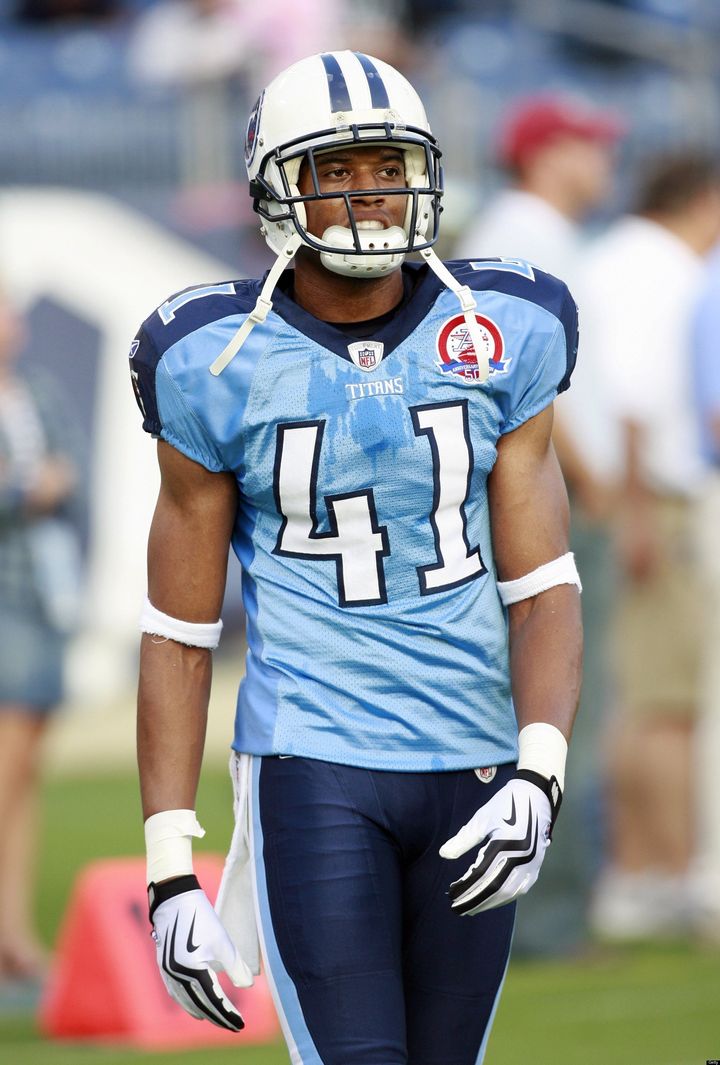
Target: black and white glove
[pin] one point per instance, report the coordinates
(192, 947)
(513, 831)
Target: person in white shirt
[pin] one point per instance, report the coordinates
(640, 287)
(559, 155)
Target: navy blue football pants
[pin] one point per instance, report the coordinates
(368, 964)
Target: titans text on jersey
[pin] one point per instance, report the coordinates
(362, 470)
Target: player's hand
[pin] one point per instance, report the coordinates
(513, 831)
(192, 947)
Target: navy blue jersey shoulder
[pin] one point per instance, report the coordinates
(181, 314)
(194, 307)
(519, 278)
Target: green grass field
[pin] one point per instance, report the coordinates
(642, 1006)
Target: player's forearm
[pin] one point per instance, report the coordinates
(546, 657)
(173, 698)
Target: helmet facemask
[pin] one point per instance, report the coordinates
(347, 249)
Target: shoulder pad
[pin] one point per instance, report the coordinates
(196, 306)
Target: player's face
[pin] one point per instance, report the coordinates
(343, 169)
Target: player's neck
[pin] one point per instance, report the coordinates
(334, 298)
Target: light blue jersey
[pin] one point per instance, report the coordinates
(376, 636)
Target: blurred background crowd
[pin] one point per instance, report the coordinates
(581, 135)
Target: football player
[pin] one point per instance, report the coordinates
(372, 437)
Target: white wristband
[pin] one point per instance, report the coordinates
(543, 748)
(191, 633)
(561, 570)
(168, 843)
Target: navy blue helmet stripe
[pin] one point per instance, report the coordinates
(378, 92)
(337, 86)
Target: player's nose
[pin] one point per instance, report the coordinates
(369, 196)
(364, 178)
(370, 199)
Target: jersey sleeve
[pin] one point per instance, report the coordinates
(144, 359)
(544, 368)
(167, 412)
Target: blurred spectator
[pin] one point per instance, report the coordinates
(209, 50)
(707, 395)
(188, 42)
(559, 155)
(39, 590)
(640, 289)
(179, 43)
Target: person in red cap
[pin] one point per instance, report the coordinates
(559, 154)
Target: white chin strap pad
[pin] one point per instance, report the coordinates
(355, 264)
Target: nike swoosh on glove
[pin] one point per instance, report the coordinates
(513, 831)
(192, 947)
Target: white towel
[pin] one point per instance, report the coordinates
(235, 906)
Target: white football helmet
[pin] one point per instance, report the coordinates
(350, 99)
(319, 103)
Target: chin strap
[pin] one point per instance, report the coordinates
(262, 307)
(468, 305)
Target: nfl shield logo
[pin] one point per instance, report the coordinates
(367, 354)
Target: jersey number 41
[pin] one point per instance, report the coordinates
(356, 541)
